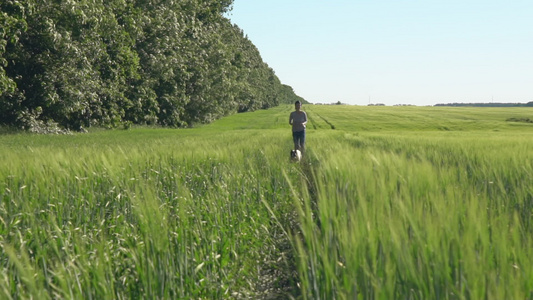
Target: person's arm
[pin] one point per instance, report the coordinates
(291, 119)
(304, 123)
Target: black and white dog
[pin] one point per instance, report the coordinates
(296, 155)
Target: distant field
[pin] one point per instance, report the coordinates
(389, 203)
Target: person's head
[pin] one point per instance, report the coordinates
(297, 105)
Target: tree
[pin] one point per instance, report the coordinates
(95, 62)
(12, 25)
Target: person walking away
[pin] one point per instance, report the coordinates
(298, 120)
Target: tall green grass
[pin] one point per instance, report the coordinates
(389, 202)
(153, 214)
(426, 216)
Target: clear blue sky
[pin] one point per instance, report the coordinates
(420, 52)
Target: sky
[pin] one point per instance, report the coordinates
(418, 52)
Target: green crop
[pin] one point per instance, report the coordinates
(388, 203)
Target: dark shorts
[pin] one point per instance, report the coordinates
(299, 139)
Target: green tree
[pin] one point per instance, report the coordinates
(80, 63)
(12, 25)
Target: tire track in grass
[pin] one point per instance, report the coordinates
(288, 285)
(278, 276)
(309, 168)
(280, 279)
(328, 122)
(315, 124)
(311, 120)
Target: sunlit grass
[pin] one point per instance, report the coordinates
(412, 118)
(421, 216)
(142, 214)
(389, 202)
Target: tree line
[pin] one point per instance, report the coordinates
(81, 63)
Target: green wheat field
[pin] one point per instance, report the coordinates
(388, 203)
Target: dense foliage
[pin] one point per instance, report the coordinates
(79, 63)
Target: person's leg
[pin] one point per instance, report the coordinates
(299, 140)
(296, 140)
(302, 142)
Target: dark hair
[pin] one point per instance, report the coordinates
(297, 102)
